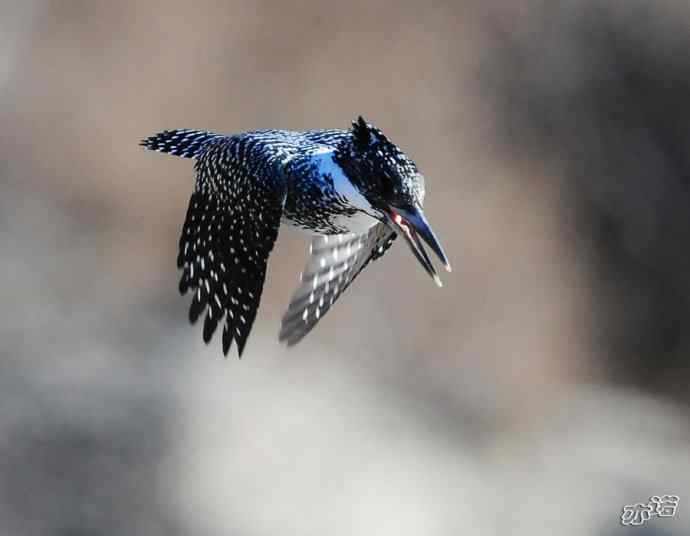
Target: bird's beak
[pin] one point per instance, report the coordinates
(412, 224)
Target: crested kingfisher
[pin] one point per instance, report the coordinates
(354, 190)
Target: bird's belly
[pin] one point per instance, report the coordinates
(318, 223)
(359, 222)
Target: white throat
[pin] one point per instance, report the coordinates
(359, 222)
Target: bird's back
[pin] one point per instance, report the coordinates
(317, 192)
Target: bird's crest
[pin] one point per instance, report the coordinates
(365, 134)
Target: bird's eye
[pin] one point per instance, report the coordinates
(385, 186)
(384, 189)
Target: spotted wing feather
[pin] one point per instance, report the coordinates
(227, 237)
(334, 263)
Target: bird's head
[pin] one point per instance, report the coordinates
(392, 185)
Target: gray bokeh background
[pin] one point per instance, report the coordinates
(543, 388)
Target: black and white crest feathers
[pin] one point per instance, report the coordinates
(365, 134)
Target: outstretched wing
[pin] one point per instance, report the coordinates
(231, 225)
(334, 263)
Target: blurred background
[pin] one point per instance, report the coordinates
(541, 390)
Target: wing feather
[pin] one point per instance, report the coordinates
(335, 261)
(231, 225)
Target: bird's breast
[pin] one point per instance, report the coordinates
(358, 223)
(322, 200)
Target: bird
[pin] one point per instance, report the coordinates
(352, 189)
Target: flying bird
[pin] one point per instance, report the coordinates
(354, 190)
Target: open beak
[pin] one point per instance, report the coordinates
(412, 225)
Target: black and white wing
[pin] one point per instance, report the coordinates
(335, 262)
(231, 225)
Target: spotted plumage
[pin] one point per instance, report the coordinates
(353, 189)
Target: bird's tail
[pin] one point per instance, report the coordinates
(181, 142)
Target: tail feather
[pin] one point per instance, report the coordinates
(181, 142)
